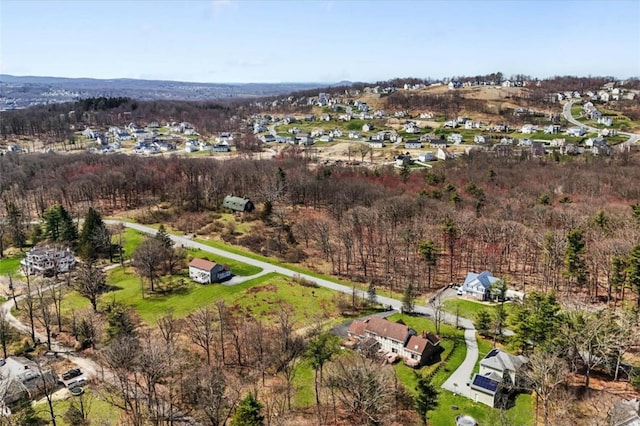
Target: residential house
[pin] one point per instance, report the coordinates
(395, 339)
(479, 139)
(268, 138)
(325, 117)
(552, 129)
(221, 147)
(23, 378)
(206, 272)
(191, 146)
(444, 154)
(451, 123)
(48, 260)
(376, 143)
(577, 131)
(537, 149)
(437, 143)
(367, 127)
(477, 285)
(238, 204)
(354, 135)
(569, 149)
(499, 373)
(413, 144)
(527, 129)
(326, 138)
(403, 160)
(607, 121)
(455, 138)
(426, 156)
(411, 127)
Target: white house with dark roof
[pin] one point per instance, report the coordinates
(499, 373)
(47, 260)
(477, 285)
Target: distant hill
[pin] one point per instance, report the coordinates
(23, 91)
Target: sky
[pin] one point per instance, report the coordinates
(227, 41)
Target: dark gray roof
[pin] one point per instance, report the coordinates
(239, 204)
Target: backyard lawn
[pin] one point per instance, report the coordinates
(10, 265)
(259, 296)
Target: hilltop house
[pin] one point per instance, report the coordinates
(238, 204)
(205, 272)
(395, 340)
(477, 285)
(48, 260)
(499, 373)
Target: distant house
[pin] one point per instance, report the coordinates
(576, 131)
(426, 156)
(48, 260)
(413, 144)
(221, 147)
(477, 285)
(444, 154)
(455, 138)
(268, 138)
(479, 139)
(396, 340)
(367, 127)
(499, 373)
(206, 272)
(527, 129)
(537, 149)
(376, 144)
(238, 204)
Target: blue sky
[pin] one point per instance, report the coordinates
(317, 41)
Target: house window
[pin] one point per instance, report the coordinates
(394, 350)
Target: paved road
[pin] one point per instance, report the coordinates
(566, 112)
(457, 381)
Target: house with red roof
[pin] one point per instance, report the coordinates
(204, 271)
(395, 339)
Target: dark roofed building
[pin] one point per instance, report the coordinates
(238, 204)
(204, 271)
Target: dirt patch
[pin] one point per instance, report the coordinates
(261, 288)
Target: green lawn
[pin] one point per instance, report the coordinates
(260, 296)
(100, 412)
(10, 265)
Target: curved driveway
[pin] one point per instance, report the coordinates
(456, 382)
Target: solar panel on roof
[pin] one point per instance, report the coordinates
(485, 383)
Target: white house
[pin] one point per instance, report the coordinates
(499, 372)
(455, 138)
(527, 129)
(205, 272)
(413, 144)
(576, 131)
(444, 154)
(479, 139)
(426, 156)
(47, 260)
(477, 285)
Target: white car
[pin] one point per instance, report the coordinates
(459, 291)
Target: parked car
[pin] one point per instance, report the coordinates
(459, 291)
(74, 372)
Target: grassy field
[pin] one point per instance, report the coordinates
(469, 308)
(10, 265)
(100, 412)
(260, 297)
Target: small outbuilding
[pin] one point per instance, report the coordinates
(238, 204)
(204, 271)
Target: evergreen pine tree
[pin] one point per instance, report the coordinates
(248, 412)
